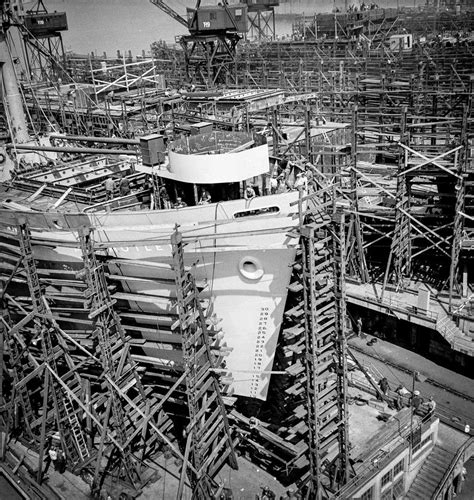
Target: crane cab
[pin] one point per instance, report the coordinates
(219, 18)
(45, 23)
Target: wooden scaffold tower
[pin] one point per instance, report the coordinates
(400, 249)
(103, 423)
(462, 202)
(323, 270)
(419, 233)
(129, 411)
(209, 443)
(63, 382)
(52, 372)
(106, 425)
(355, 254)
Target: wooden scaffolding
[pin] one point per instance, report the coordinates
(92, 398)
(323, 275)
(209, 443)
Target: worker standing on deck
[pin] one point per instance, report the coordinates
(53, 457)
(124, 186)
(416, 400)
(109, 188)
(249, 193)
(274, 183)
(164, 197)
(384, 386)
(54, 454)
(431, 406)
(179, 203)
(205, 197)
(301, 181)
(402, 393)
(359, 326)
(50, 454)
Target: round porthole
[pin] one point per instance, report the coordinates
(250, 268)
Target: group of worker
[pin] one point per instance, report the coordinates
(279, 183)
(123, 187)
(165, 201)
(363, 7)
(268, 494)
(416, 401)
(403, 397)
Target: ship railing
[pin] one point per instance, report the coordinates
(442, 322)
(396, 304)
(447, 328)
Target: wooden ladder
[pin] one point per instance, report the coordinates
(21, 366)
(56, 357)
(324, 355)
(209, 441)
(126, 396)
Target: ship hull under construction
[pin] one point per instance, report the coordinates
(236, 261)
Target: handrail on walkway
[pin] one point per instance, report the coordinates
(461, 454)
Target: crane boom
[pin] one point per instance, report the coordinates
(166, 8)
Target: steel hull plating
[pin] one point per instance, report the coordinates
(243, 265)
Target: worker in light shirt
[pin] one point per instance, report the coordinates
(301, 181)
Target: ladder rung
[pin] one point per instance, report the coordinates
(107, 305)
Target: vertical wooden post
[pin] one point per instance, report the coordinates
(3, 436)
(307, 123)
(2, 352)
(39, 475)
(275, 136)
(88, 404)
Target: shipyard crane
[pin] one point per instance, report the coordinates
(11, 96)
(172, 13)
(41, 35)
(210, 47)
(261, 14)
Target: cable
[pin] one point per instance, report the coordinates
(214, 258)
(380, 358)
